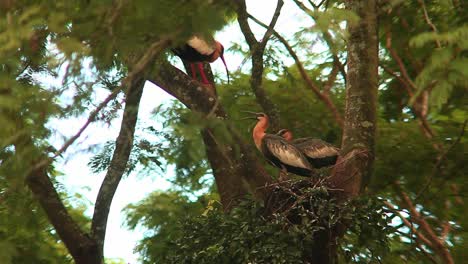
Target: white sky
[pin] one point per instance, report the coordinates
(119, 241)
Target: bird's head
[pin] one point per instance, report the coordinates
(286, 134)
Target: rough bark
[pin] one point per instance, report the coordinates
(357, 154)
(235, 168)
(118, 164)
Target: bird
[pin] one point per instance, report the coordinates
(198, 50)
(318, 152)
(278, 151)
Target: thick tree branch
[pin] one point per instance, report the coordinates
(355, 165)
(236, 169)
(257, 50)
(321, 96)
(81, 246)
(118, 164)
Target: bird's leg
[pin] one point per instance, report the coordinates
(202, 74)
(193, 69)
(283, 175)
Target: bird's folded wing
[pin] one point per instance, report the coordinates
(316, 148)
(286, 153)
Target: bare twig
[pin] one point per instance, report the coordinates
(408, 224)
(399, 61)
(144, 61)
(428, 20)
(420, 106)
(323, 97)
(438, 245)
(440, 160)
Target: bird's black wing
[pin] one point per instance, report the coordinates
(285, 152)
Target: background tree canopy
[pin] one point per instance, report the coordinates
(385, 80)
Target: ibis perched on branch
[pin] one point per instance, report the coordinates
(198, 50)
(318, 152)
(278, 151)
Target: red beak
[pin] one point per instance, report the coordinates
(225, 66)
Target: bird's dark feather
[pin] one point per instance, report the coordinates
(318, 152)
(283, 154)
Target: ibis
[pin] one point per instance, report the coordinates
(278, 151)
(318, 152)
(198, 50)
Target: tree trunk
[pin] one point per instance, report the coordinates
(354, 166)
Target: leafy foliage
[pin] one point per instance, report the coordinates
(248, 234)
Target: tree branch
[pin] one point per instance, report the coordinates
(437, 244)
(399, 61)
(428, 20)
(148, 57)
(80, 245)
(420, 105)
(257, 50)
(321, 96)
(118, 164)
(245, 171)
(440, 160)
(408, 224)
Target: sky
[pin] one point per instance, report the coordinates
(77, 176)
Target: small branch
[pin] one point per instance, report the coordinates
(148, 57)
(331, 78)
(411, 89)
(399, 61)
(445, 230)
(323, 97)
(440, 160)
(405, 84)
(437, 244)
(428, 20)
(408, 224)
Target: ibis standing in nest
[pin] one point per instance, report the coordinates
(278, 151)
(318, 152)
(198, 50)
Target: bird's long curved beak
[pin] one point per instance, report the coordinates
(249, 117)
(254, 115)
(225, 66)
(249, 112)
